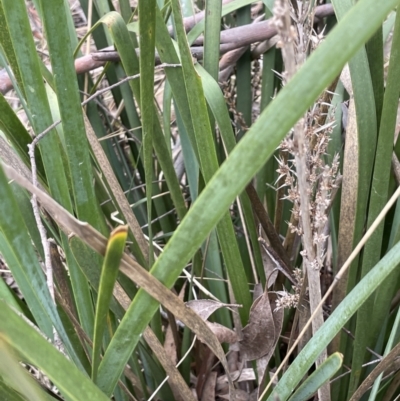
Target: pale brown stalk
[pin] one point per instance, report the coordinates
(294, 41)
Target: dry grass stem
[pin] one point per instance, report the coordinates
(311, 184)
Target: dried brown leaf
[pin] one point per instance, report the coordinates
(115, 189)
(348, 206)
(170, 346)
(204, 367)
(262, 363)
(223, 334)
(206, 307)
(258, 336)
(177, 383)
(238, 376)
(209, 387)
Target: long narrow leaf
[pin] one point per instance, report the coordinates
(15, 245)
(324, 373)
(109, 273)
(77, 148)
(39, 352)
(146, 61)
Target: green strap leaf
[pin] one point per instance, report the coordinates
(32, 347)
(147, 45)
(17, 377)
(109, 274)
(76, 144)
(209, 165)
(318, 378)
(16, 247)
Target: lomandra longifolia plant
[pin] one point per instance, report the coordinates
(193, 200)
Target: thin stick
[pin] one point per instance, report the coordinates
(43, 234)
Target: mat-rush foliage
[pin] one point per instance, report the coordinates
(245, 182)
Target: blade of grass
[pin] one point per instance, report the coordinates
(267, 173)
(228, 8)
(382, 301)
(189, 156)
(366, 143)
(55, 21)
(15, 245)
(166, 107)
(18, 136)
(7, 46)
(146, 61)
(37, 101)
(167, 51)
(374, 49)
(125, 8)
(212, 29)
(244, 101)
(37, 350)
(209, 164)
(214, 270)
(320, 376)
(109, 273)
(388, 25)
(9, 297)
(32, 84)
(16, 376)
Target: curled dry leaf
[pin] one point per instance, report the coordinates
(262, 363)
(206, 307)
(223, 334)
(259, 335)
(209, 387)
